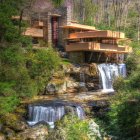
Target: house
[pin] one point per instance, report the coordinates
(83, 43)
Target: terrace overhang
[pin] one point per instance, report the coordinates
(33, 32)
(97, 34)
(97, 47)
(79, 26)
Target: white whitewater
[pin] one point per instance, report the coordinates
(50, 114)
(108, 72)
(80, 112)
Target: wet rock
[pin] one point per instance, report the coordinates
(61, 89)
(8, 132)
(87, 73)
(93, 69)
(20, 126)
(14, 122)
(39, 132)
(69, 110)
(51, 88)
(71, 83)
(82, 87)
(90, 86)
(75, 69)
(99, 108)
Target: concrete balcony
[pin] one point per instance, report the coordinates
(97, 47)
(79, 26)
(33, 32)
(97, 34)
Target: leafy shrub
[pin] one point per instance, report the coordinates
(131, 63)
(119, 83)
(42, 64)
(135, 80)
(72, 128)
(8, 104)
(125, 115)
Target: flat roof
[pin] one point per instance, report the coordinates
(79, 26)
(33, 32)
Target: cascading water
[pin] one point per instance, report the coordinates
(82, 79)
(80, 112)
(108, 72)
(50, 114)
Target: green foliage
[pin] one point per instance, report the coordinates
(119, 84)
(42, 64)
(90, 10)
(23, 71)
(103, 26)
(124, 115)
(134, 80)
(72, 128)
(8, 32)
(57, 2)
(131, 64)
(66, 62)
(125, 105)
(76, 129)
(8, 103)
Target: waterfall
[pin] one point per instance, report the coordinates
(122, 70)
(50, 114)
(80, 112)
(108, 72)
(82, 79)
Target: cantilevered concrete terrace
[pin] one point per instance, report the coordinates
(34, 32)
(97, 47)
(97, 34)
(79, 26)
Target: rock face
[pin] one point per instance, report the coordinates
(71, 77)
(15, 123)
(39, 132)
(88, 74)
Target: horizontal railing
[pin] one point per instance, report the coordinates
(99, 47)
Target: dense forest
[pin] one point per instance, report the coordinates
(24, 71)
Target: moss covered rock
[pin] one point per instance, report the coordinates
(39, 132)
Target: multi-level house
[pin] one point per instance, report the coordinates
(83, 43)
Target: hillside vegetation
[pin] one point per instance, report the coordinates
(24, 72)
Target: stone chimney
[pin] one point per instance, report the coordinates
(69, 14)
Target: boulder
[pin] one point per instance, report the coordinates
(82, 87)
(93, 69)
(51, 88)
(8, 132)
(39, 132)
(69, 110)
(15, 122)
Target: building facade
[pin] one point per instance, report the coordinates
(57, 27)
